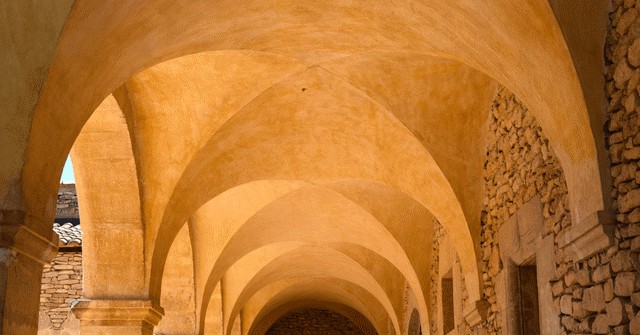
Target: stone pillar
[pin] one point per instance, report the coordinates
(23, 253)
(117, 317)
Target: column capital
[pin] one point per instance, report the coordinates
(17, 237)
(127, 313)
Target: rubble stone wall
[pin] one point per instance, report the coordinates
(67, 205)
(313, 321)
(520, 164)
(619, 279)
(61, 283)
(599, 295)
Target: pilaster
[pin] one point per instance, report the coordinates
(23, 253)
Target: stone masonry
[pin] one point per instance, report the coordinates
(622, 290)
(520, 164)
(62, 278)
(599, 295)
(313, 321)
(438, 233)
(67, 206)
(61, 284)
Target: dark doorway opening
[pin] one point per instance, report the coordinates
(448, 315)
(527, 295)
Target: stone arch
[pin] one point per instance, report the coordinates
(293, 262)
(285, 295)
(247, 286)
(109, 205)
(317, 215)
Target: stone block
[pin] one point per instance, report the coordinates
(616, 312)
(600, 324)
(621, 330)
(608, 290)
(633, 229)
(626, 20)
(634, 325)
(566, 304)
(635, 298)
(593, 299)
(626, 283)
(635, 244)
(622, 74)
(557, 288)
(583, 277)
(629, 201)
(578, 311)
(570, 278)
(569, 323)
(624, 261)
(601, 273)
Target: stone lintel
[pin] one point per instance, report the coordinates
(17, 237)
(108, 313)
(478, 313)
(588, 237)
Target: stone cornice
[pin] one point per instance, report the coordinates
(117, 312)
(588, 237)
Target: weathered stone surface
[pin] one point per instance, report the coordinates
(624, 261)
(635, 298)
(621, 330)
(566, 304)
(633, 229)
(557, 288)
(570, 278)
(601, 273)
(593, 299)
(634, 325)
(600, 325)
(61, 283)
(616, 312)
(626, 283)
(629, 201)
(608, 290)
(626, 20)
(622, 74)
(635, 244)
(578, 311)
(583, 277)
(569, 323)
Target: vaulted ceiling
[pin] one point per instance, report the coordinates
(288, 142)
